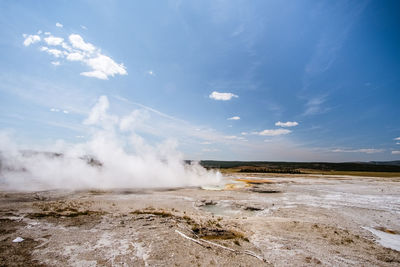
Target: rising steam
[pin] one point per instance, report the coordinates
(102, 162)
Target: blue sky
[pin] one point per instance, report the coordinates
(228, 80)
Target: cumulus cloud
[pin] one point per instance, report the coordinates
(274, 132)
(30, 39)
(51, 40)
(222, 96)
(286, 124)
(76, 56)
(396, 152)
(77, 42)
(397, 139)
(59, 25)
(55, 52)
(361, 150)
(101, 66)
(234, 118)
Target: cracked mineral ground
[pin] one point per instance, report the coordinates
(248, 220)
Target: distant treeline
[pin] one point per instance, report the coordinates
(269, 170)
(393, 166)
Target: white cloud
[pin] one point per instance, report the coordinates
(210, 150)
(361, 150)
(286, 124)
(397, 139)
(84, 27)
(103, 66)
(396, 152)
(234, 118)
(222, 96)
(151, 73)
(54, 110)
(59, 25)
(397, 143)
(76, 56)
(56, 63)
(47, 33)
(65, 111)
(78, 42)
(234, 137)
(95, 74)
(205, 143)
(54, 52)
(51, 40)
(273, 132)
(30, 39)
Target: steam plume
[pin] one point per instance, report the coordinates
(102, 162)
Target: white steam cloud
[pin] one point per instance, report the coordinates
(113, 157)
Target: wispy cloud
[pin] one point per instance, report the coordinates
(210, 150)
(180, 129)
(361, 150)
(315, 106)
(59, 25)
(273, 132)
(238, 30)
(333, 38)
(234, 137)
(286, 124)
(102, 66)
(205, 143)
(396, 152)
(397, 139)
(234, 118)
(222, 96)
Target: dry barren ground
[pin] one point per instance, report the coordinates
(285, 220)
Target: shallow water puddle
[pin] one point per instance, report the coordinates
(386, 238)
(225, 209)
